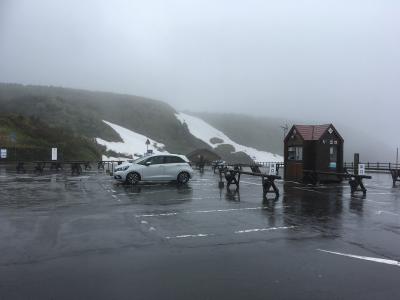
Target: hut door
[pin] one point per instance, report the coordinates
(333, 157)
(295, 163)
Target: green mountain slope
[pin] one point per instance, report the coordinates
(34, 140)
(82, 112)
(79, 113)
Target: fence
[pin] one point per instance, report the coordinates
(378, 166)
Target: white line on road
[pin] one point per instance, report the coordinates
(307, 190)
(379, 212)
(295, 182)
(115, 197)
(264, 229)
(201, 211)
(188, 236)
(247, 182)
(372, 193)
(152, 192)
(369, 193)
(236, 232)
(374, 259)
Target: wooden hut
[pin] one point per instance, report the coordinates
(313, 147)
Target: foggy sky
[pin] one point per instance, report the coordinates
(317, 61)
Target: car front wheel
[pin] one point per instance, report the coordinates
(132, 178)
(183, 177)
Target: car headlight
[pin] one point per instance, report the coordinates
(122, 168)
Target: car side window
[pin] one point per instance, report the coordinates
(156, 160)
(173, 160)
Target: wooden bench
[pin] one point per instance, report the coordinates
(56, 166)
(268, 181)
(395, 175)
(355, 181)
(100, 165)
(87, 165)
(76, 168)
(39, 168)
(20, 167)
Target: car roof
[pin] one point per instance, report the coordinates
(168, 154)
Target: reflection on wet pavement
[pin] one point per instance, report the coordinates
(53, 222)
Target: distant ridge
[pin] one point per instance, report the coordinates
(82, 113)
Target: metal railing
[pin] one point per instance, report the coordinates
(375, 166)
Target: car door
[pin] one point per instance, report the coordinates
(172, 166)
(153, 168)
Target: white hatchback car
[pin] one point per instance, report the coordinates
(166, 167)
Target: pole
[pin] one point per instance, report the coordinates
(356, 162)
(397, 158)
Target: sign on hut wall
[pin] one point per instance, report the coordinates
(3, 153)
(53, 153)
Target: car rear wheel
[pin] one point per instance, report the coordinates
(132, 178)
(183, 177)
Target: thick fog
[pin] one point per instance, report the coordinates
(317, 61)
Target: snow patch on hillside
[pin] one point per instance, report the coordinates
(206, 132)
(133, 143)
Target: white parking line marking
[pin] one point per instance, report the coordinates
(247, 182)
(380, 193)
(153, 192)
(369, 193)
(236, 232)
(296, 182)
(379, 212)
(374, 259)
(308, 190)
(157, 215)
(264, 229)
(201, 211)
(188, 236)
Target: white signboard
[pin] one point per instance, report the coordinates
(53, 153)
(361, 169)
(3, 153)
(272, 169)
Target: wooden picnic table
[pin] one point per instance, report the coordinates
(232, 176)
(355, 180)
(55, 165)
(395, 175)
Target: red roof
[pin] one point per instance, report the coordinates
(312, 132)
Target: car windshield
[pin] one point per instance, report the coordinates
(137, 160)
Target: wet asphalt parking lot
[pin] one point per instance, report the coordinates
(85, 237)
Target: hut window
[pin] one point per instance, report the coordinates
(333, 153)
(295, 153)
